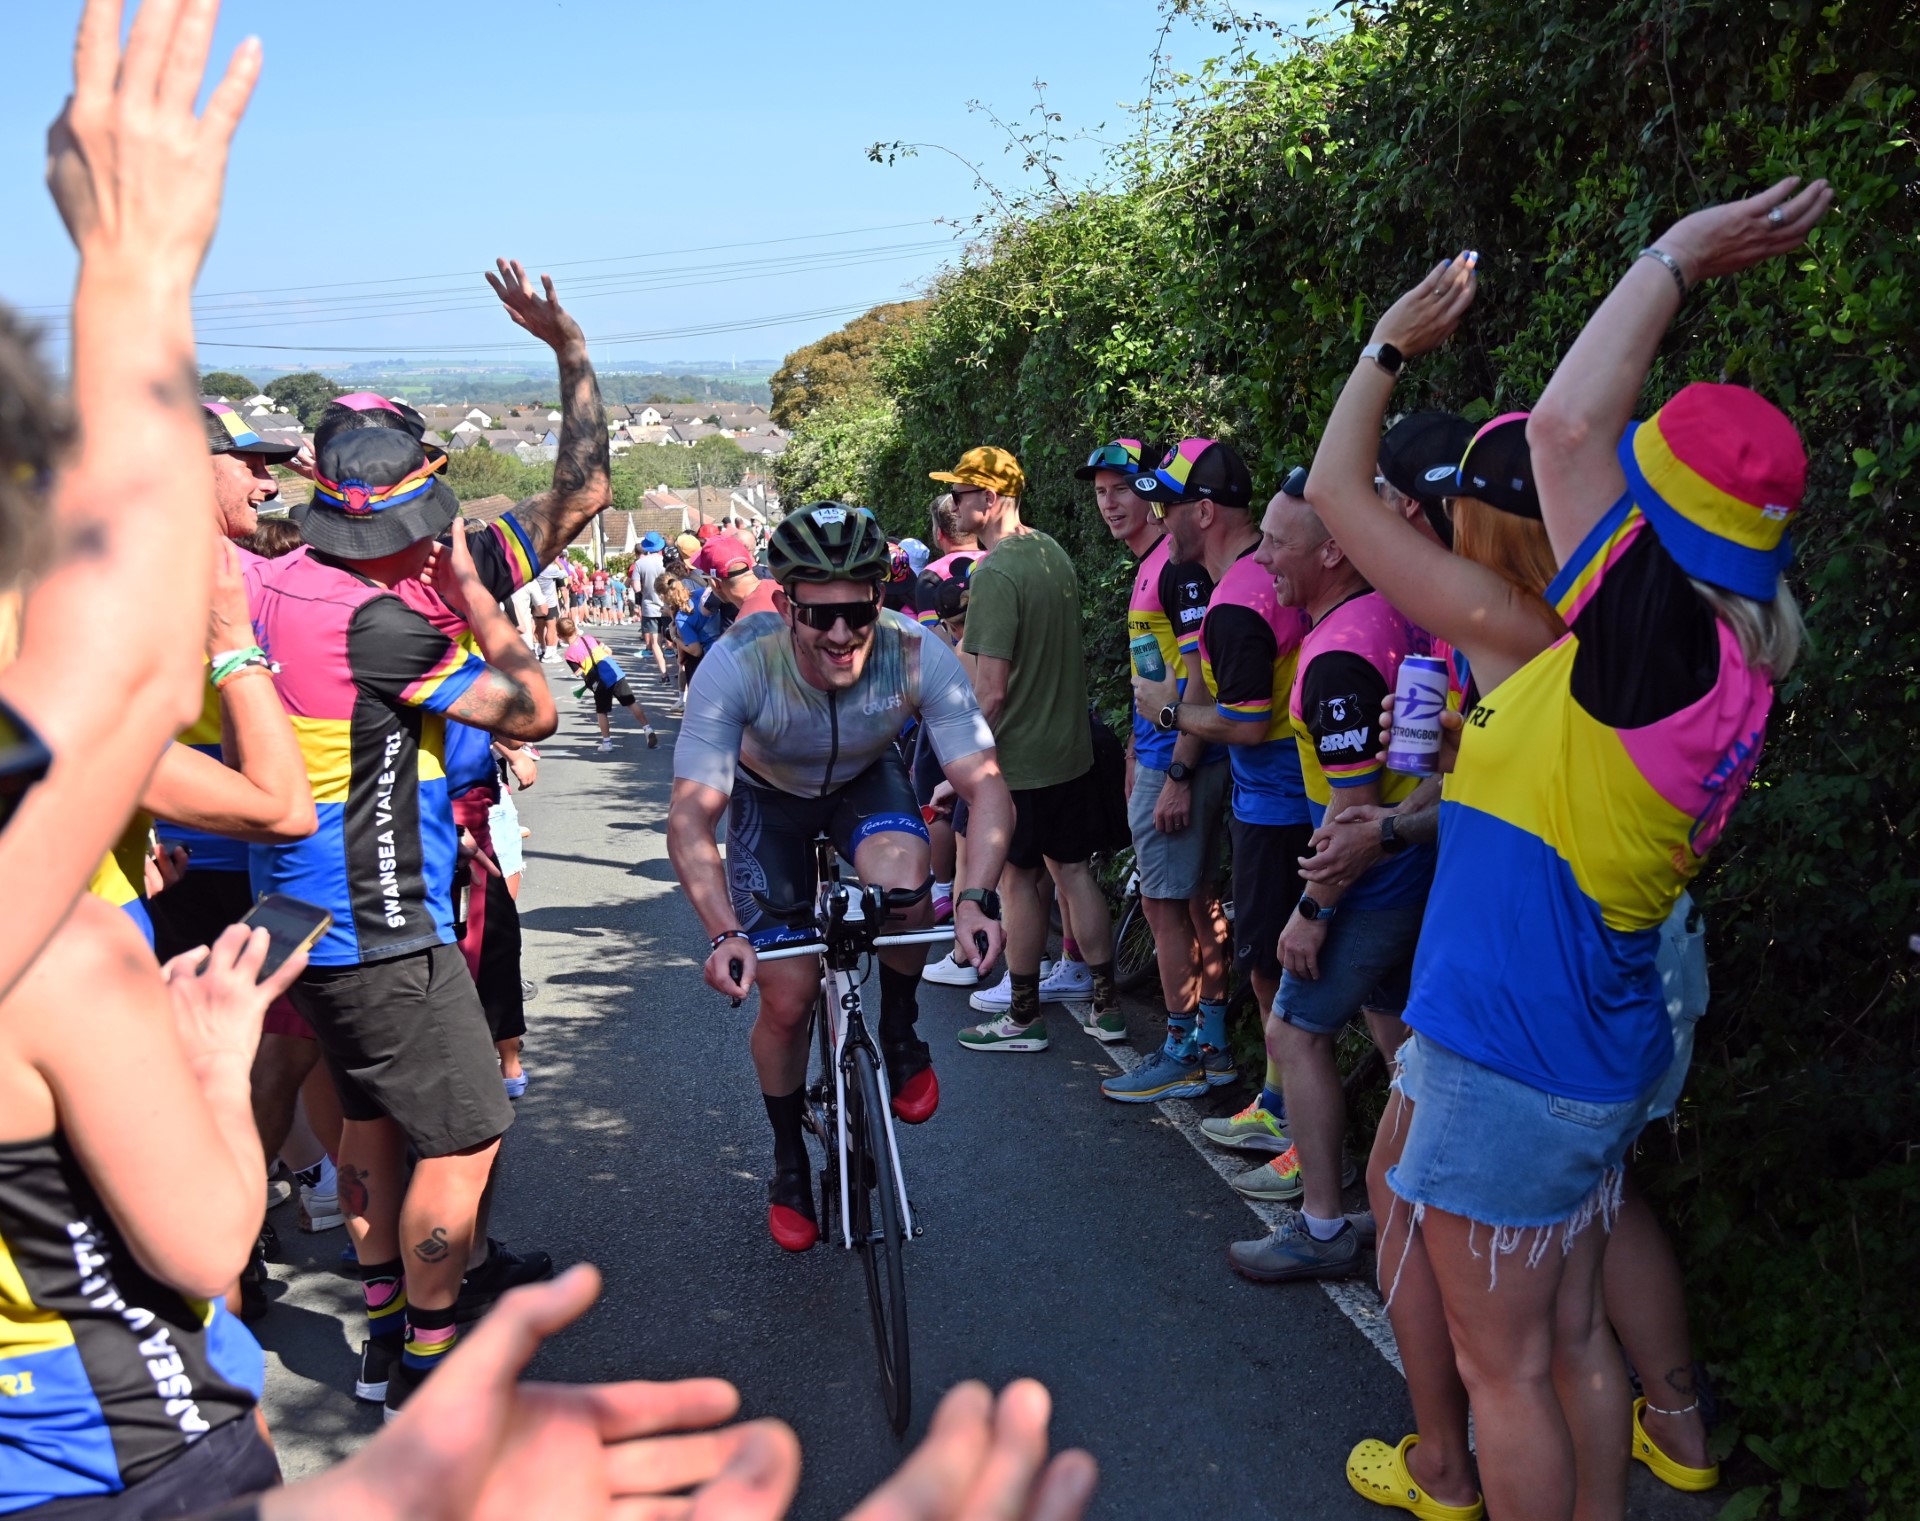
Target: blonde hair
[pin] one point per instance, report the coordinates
(673, 594)
(1770, 633)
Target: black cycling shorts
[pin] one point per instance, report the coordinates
(604, 697)
(770, 837)
(1266, 886)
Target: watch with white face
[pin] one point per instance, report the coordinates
(1169, 718)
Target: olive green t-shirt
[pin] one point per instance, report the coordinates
(1024, 607)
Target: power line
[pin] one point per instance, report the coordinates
(602, 342)
(532, 264)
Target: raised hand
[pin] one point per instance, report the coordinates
(1723, 240)
(134, 172)
(229, 622)
(452, 573)
(1425, 317)
(545, 318)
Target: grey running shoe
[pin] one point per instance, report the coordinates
(1219, 1066)
(1292, 1252)
(1278, 1181)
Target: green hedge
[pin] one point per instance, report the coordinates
(1223, 284)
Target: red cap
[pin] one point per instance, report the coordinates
(723, 557)
(706, 531)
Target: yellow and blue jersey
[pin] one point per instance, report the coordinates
(1589, 786)
(366, 680)
(106, 1374)
(1167, 604)
(1249, 645)
(121, 876)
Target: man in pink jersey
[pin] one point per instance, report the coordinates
(1346, 950)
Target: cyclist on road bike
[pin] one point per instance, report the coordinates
(790, 731)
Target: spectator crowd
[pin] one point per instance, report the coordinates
(332, 711)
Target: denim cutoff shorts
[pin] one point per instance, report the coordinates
(1366, 962)
(1486, 1147)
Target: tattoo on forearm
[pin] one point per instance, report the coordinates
(581, 470)
(1680, 1381)
(352, 1187)
(434, 1248)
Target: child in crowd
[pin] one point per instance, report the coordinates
(603, 677)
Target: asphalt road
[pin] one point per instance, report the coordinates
(1067, 1237)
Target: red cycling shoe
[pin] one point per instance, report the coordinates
(790, 1212)
(917, 1098)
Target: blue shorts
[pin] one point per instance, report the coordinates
(1487, 1147)
(1366, 962)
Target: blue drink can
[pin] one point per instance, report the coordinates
(1147, 660)
(1419, 698)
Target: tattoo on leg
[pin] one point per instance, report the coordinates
(434, 1248)
(353, 1190)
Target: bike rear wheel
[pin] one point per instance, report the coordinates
(879, 1233)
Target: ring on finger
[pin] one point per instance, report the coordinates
(1776, 216)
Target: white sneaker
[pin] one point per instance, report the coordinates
(318, 1211)
(950, 973)
(604, 746)
(1069, 982)
(997, 999)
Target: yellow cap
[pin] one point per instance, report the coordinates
(989, 468)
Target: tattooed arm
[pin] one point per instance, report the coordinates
(582, 485)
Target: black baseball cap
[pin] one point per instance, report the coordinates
(1420, 456)
(1497, 467)
(1296, 482)
(228, 433)
(374, 493)
(1198, 469)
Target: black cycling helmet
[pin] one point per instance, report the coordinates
(829, 541)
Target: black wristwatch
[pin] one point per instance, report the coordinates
(1385, 355)
(1390, 840)
(1311, 910)
(1179, 771)
(986, 897)
(1169, 718)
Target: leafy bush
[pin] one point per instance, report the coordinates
(1223, 284)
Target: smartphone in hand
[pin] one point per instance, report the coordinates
(291, 925)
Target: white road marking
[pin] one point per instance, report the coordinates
(1356, 1300)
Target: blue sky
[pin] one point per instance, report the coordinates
(583, 130)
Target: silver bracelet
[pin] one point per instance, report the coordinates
(1673, 267)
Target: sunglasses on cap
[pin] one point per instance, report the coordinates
(1122, 457)
(822, 616)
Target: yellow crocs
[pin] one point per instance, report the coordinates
(1673, 1475)
(1379, 1473)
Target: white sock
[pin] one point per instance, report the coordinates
(329, 1177)
(1321, 1230)
(943, 889)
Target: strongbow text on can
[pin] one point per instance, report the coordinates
(1419, 698)
(1147, 660)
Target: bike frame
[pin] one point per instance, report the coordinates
(850, 938)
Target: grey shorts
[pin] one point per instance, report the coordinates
(1178, 865)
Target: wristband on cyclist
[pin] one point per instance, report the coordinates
(714, 944)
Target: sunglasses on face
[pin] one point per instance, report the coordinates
(823, 615)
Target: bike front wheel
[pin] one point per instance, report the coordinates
(1133, 954)
(879, 1232)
